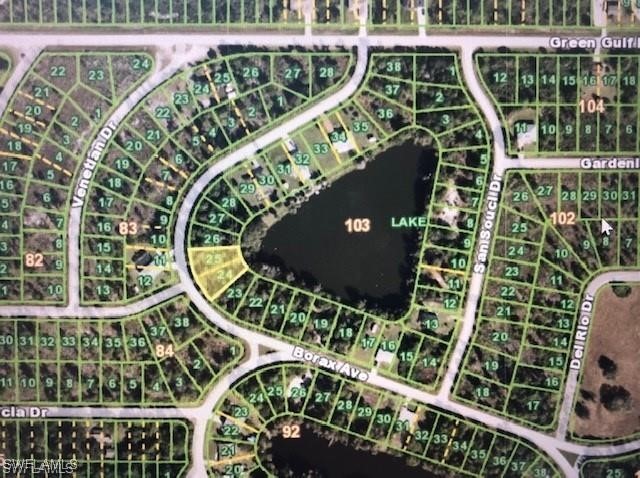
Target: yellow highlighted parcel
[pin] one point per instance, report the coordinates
(216, 268)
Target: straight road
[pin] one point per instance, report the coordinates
(499, 165)
(29, 311)
(467, 44)
(170, 39)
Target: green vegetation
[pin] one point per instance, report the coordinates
(409, 14)
(559, 104)
(621, 466)
(262, 14)
(334, 13)
(141, 448)
(278, 399)
(176, 132)
(168, 354)
(548, 245)
(515, 13)
(418, 95)
(49, 124)
(290, 14)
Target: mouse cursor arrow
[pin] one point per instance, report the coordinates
(605, 228)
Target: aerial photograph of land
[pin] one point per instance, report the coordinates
(320, 238)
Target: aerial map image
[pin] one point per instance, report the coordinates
(320, 238)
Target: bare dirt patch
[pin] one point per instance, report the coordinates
(608, 404)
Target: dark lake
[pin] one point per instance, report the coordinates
(335, 460)
(375, 266)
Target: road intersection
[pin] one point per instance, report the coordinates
(554, 446)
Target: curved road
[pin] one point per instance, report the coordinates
(25, 60)
(572, 378)
(199, 466)
(199, 416)
(178, 60)
(241, 154)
